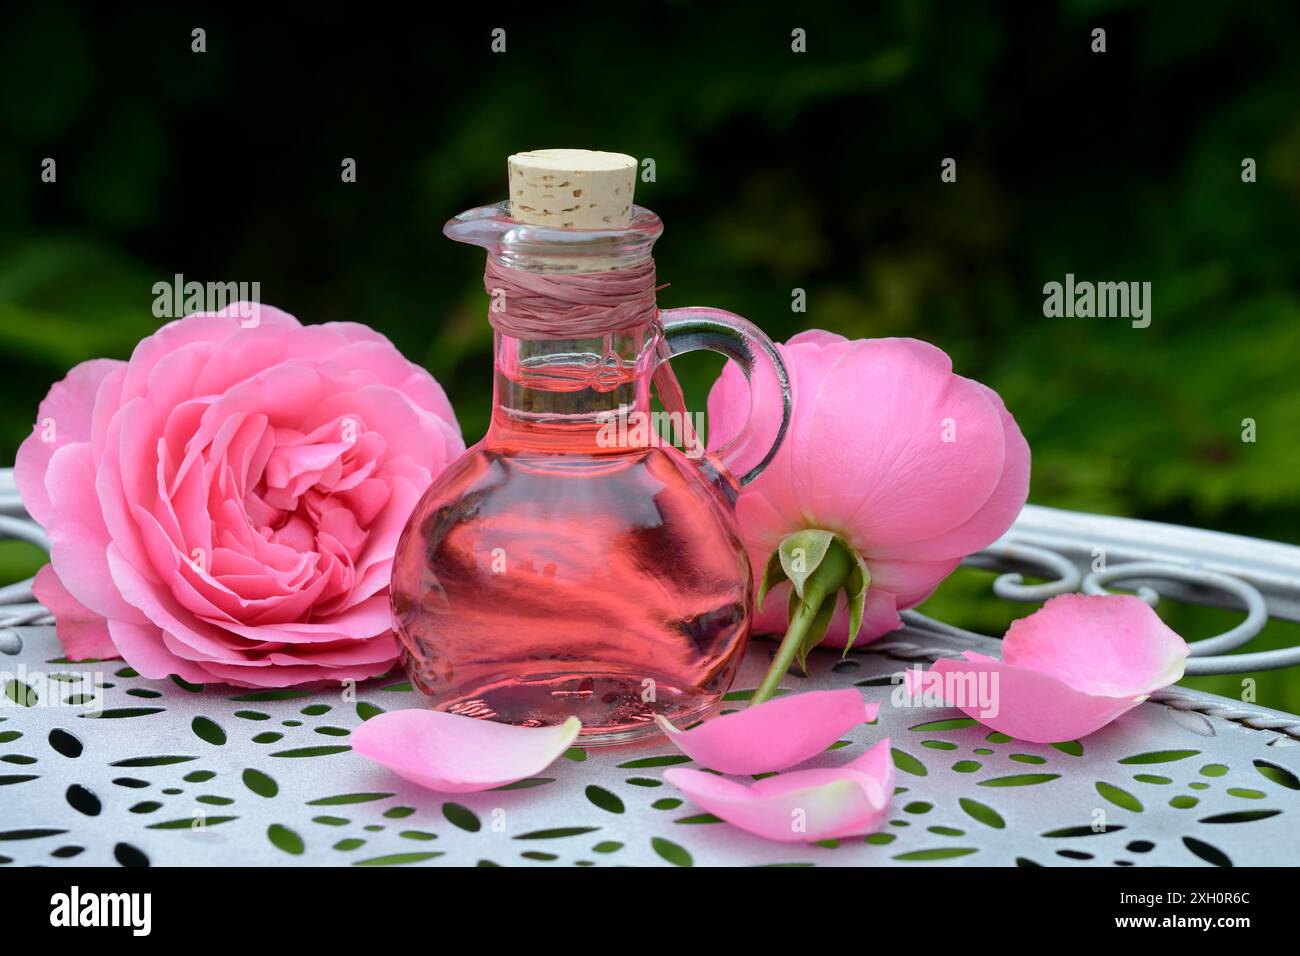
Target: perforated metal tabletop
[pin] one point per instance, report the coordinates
(99, 766)
(180, 775)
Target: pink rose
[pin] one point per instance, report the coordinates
(225, 505)
(912, 466)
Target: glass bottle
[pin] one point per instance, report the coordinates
(572, 563)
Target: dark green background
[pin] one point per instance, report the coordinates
(774, 171)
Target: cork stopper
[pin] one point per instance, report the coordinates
(572, 188)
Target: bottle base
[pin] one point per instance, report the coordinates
(615, 709)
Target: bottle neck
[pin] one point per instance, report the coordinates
(558, 394)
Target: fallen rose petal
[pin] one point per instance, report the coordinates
(1112, 644)
(1067, 670)
(1026, 705)
(455, 754)
(803, 806)
(773, 735)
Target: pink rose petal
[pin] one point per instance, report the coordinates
(773, 735)
(1067, 670)
(455, 754)
(83, 633)
(803, 806)
(64, 418)
(1100, 644)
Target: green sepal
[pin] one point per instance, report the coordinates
(855, 593)
(802, 553)
(773, 575)
(819, 565)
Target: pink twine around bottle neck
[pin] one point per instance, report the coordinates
(559, 305)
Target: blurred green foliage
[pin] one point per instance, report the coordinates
(774, 171)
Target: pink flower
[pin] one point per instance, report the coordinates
(1068, 669)
(225, 505)
(909, 465)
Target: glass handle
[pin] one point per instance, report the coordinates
(691, 329)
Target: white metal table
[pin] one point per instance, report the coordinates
(174, 774)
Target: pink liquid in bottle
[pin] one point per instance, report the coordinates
(536, 586)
